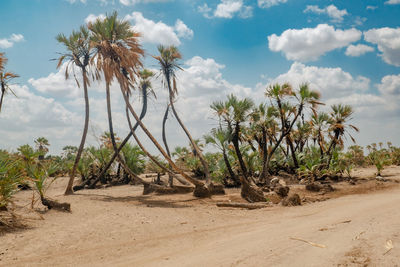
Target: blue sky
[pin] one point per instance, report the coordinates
(348, 50)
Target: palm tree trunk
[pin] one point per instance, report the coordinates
(151, 157)
(229, 167)
(197, 183)
(110, 162)
(201, 157)
(68, 190)
(292, 151)
(114, 144)
(2, 96)
(164, 138)
(235, 141)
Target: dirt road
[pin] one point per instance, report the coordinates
(119, 227)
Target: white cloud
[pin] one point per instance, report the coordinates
(331, 82)
(332, 11)
(92, 18)
(159, 32)
(9, 42)
(134, 2)
(182, 30)
(371, 7)
(388, 41)
(270, 3)
(358, 50)
(227, 9)
(309, 44)
(392, 2)
(73, 1)
(390, 85)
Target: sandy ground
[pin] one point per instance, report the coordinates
(119, 227)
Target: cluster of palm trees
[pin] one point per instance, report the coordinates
(250, 137)
(109, 49)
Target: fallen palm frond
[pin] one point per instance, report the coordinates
(308, 242)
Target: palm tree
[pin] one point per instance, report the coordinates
(118, 55)
(42, 145)
(340, 115)
(78, 55)
(219, 138)
(320, 123)
(5, 78)
(168, 60)
(240, 113)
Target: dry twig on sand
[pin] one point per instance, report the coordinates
(308, 242)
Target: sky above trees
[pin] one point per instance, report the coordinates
(348, 50)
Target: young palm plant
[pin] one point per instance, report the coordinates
(78, 55)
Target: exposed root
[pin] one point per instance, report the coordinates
(52, 204)
(250, 206)
(251, 193)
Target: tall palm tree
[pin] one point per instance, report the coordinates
(241, 110)
(5, 78)
(78, 55)
(168, 60)
(118, 55)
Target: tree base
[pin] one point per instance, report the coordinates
(251, 193)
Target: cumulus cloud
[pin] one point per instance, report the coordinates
(358, 50)
(390, 85)
(92, 18)
(332, 11)
(388, 41)
(308, 44)
(134, 2)
(74, 1)
(227, 9)
(182, 30)
(159, 32)
(270, 3)
(371, 7)
(392, 2)
(330, 82)
(9, 42)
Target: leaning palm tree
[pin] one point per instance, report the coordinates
(168, 60)
(5, 78)
(78, 55)
(118, 55)
(146, 89)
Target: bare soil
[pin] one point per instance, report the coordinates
(118, 226)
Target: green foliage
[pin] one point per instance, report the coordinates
(380, 157)
(10, 177)
(134, 158)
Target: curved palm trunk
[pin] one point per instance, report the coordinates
(201, 186)
(3, 90)
(235, 141)
(229, 167)
(152, 158)
(116, 153)
(164, 138)
(114, 144)
(196, 148)
(292, 151)
(68, 190)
